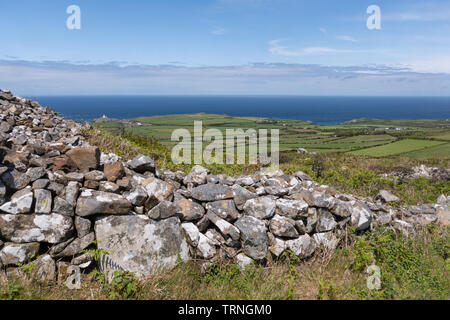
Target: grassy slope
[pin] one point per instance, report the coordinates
(412, 267)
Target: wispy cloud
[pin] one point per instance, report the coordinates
(62, 77)
(276, 48)
(219, 31)
(346, 38)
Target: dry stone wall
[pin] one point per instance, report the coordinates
(58, 195)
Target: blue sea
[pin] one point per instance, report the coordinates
(321, 110)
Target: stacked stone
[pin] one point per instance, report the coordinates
(59, 195)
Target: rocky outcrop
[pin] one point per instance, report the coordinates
(59, 195)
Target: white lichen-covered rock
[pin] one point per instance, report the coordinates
(141, 163)
(226, 228)
(140, 245)
(158, 190)
(253, 237)
(18, 253)
(197, 175)
(43, 269)
(189, 210)
(325, 221)
(293, 209)
(224, 209)
(318, 199)
(303, 247)
(21, 202)
(191, 233)
(43, 201)
(283, 227)
(241, 195)
(98, 202)
(243, 261)
(205, 247)
(276, 245)
(50, 228)
(361, 216)
(387, 197)
(212, 192)
(327, 239)
(260, 208)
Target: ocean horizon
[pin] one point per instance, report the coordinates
(318, 109)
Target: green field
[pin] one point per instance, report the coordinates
(370, 137)
(399, 147)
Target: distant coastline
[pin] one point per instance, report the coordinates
(320, 110)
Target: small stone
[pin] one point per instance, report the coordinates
(325, 222)
(224, 209)
(21, 202)
(141, 164)
(361, 216)
(243, 261)
(163, 210)
(61, 206)
(108, 186)
(197, 176)
(76, 246)
(40, 184)
(226, 228)
(95, 175)
(211, 192)
(114, 171)
(387, 197)
(98, 202)
(253, 237)
(318, 199)
(43, 201)
(85, 158)
(14, 253)
(137, 197)
(241, 195)
(205, 248)
(303, 247)
(83, 226)
(191, 233)
(260, 208)
(327, 239)
(75, 176)
(283, 227)
(189, 210)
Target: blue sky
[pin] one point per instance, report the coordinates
(320, 47)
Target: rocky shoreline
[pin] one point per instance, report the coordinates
(59, 195)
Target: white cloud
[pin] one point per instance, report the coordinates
(276, 48)
(219, 31)
(346, 38)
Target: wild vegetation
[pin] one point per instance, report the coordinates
(412, 266)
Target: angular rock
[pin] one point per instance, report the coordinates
(75, 176)
(61, 206)
(15, 180)
(241, 195)
(277, 246)
(387, 197)
(224, 209)
(191, 233)
(114, 171)
(71, 191)
(139, 244)
(21, 202)
(243, 261)
(50, 228)
(261, 208)
(253, 237)
(95, 175)
(158, 190)
(276, 186)
(443, 215)
(212, 192)
(361, 216)
(163, 210)
(98, 202)
(318, 199)
(205, 248)
(15, 253)
(43, 269)
(76, 246)
(294, 209)
(325, 222)
(189, 210)
(141, 164)
(283, 227)
(226, 228)
(108, 186)
(137, 196)
(197, 175)
(342, 209)
(85, 158)
(303, 247)
(43, 201)
(327, 239)
(83, 226)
